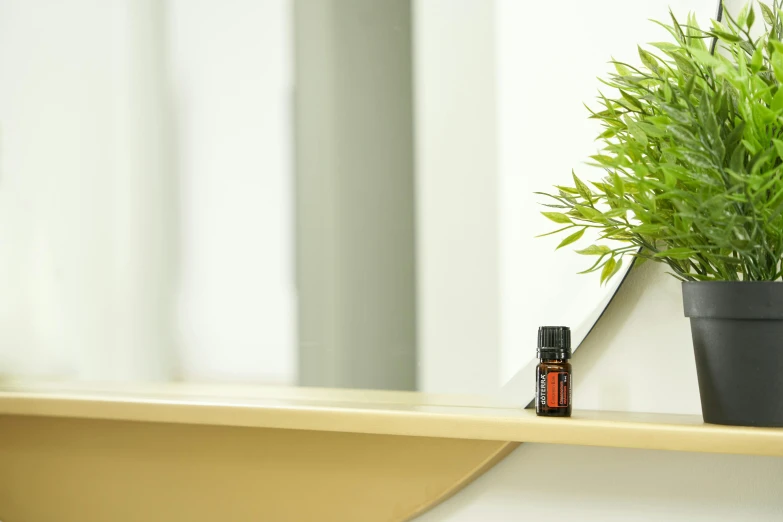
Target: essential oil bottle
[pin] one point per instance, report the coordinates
(553, 373)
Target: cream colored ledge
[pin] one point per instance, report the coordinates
(379, 412)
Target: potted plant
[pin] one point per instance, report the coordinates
(692, 159)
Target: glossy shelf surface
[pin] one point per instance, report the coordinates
(380, 412)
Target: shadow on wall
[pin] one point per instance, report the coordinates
(618, 315)
(639, 356)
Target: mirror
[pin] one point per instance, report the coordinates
(322, 193)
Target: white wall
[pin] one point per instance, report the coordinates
(638, 358)
(146, 190)
(71, 254)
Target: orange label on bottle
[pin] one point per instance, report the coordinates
(557, 390)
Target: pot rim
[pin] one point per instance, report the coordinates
(743, 300)
(732, 282)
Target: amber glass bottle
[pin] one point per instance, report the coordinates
(553, 373)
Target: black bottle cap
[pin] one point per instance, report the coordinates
(554, 342)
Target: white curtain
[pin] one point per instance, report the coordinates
(145, 190)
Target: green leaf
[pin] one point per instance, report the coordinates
(684, 135)
(751, 17)
(570, 239)
(667, 92)
(608, 270)
(677, 28)
(755, 181)
(553, 232)
(742, 16)
(648, 229)
(684, 64)
(767, 13)
(602, 187)
(618, 184)
(616, 212)
(557, 217)
(726, 36)
(618, 235)
(757, 60)
(753, 149)
(621, 68)
(777, 101)
(570, 190)
(737, 159)
(665, 46)
(594, 250)
(695, 34)
(648, 60)
(697, 160)
(637, 133)
(583, 189)
(707, 118)
(650, 129)
(608, 133)
(676, 253)
(777, 45)
(604, 160)
(616, 269)
(590, 214)
(676, 114)
(778, 147)
(777, 65)
(735, 136)
(705, 58)
(631, 100)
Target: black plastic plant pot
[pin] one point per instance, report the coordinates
(737, 330)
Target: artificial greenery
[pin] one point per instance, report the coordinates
(692, 154)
